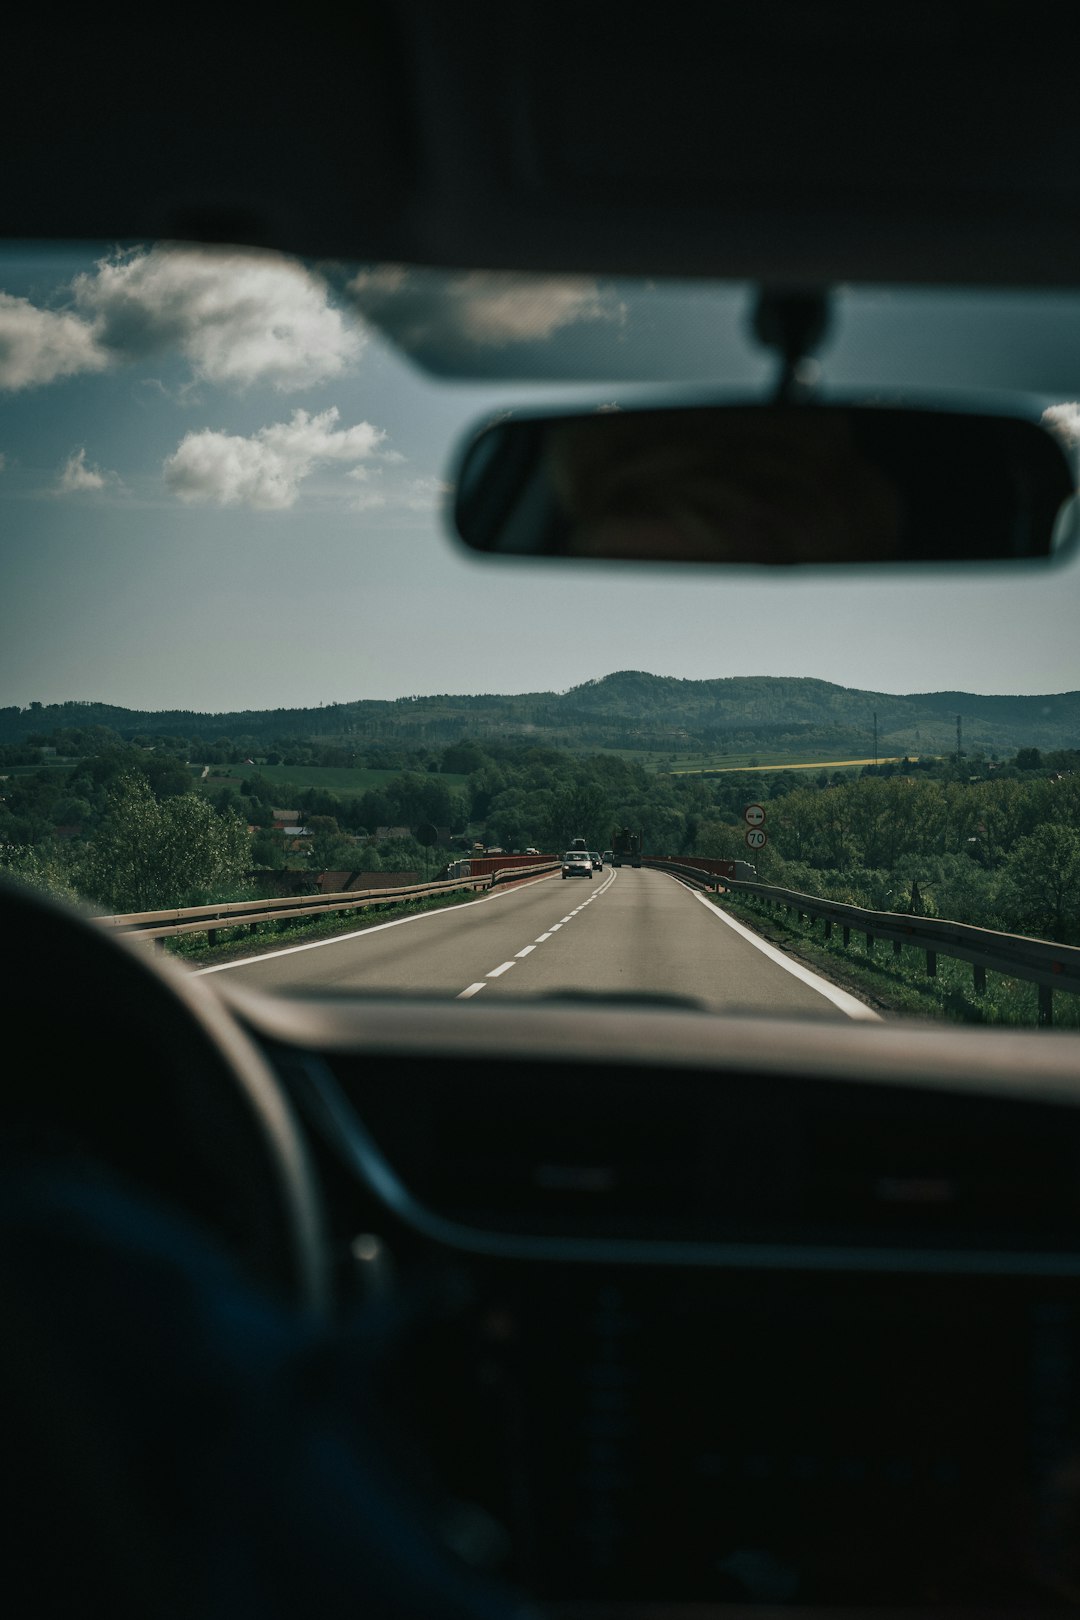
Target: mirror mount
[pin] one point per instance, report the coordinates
(795, 322)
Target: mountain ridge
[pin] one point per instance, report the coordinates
(632, 709)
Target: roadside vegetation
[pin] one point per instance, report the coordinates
(900, 985)
(137, 824)
(1001, 852)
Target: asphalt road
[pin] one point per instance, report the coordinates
(639, 933)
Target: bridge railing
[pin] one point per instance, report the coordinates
(1041, 962)
(174, 921)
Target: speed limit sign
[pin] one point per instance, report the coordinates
(756, 838)
(754, 815)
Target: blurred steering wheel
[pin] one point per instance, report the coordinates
(133, 1067)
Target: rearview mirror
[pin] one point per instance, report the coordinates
(769, 484)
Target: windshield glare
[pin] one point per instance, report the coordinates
(243, 658)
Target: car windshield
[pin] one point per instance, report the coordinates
(243, 660)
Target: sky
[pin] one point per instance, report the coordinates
(223, 485)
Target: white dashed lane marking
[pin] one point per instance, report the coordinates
(526, 950)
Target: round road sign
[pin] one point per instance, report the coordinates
(756, 839)
(754, 814)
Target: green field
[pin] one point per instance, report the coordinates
(786, 762)
(31, 770)
(335, 778)
(747, 759)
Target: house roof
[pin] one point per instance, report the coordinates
(341, 882)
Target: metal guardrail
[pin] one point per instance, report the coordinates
(694, 874)
(1038, 961)
(208, 920)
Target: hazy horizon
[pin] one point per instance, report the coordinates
(536, 692)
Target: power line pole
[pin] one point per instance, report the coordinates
(959, 740)
(875, 737)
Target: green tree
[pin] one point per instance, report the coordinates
(719, 841)
(267, 849)
(330, 849)
(45, 866)
(1040, 884)
(148, 854)
(579, 810)
(166, 774)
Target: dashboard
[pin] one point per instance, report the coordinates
(698, 1310)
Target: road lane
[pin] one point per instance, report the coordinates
(440, 952)
(650, 935)
(627, 932)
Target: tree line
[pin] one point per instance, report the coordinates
(132, 828)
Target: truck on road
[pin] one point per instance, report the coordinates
(626, 847)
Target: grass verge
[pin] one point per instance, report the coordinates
(898, 985)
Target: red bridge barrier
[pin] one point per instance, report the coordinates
(484, 865)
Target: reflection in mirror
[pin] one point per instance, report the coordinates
(773, 484)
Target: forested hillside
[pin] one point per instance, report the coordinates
(631, 710)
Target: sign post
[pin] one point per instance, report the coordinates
(756, 836)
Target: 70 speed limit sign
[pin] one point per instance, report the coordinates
(756, 838)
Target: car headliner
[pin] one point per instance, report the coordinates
(807, 144)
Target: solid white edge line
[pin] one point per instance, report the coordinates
(839, 998)
(376, 928)
(471, 991)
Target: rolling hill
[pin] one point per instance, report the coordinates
(630, 709)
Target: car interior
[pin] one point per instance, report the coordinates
(631, 1309)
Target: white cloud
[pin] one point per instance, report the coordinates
(498, 307)
(490, 308)
(39, 345)
(266, 470)
(76, 478)
(1064, 420)
(424, 494)
(370, 496)
(238, 318)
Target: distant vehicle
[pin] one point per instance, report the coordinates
(532, 852)
(626, 847)
(598, 865)
(577, 863)
(606, 857)
(579, 843)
